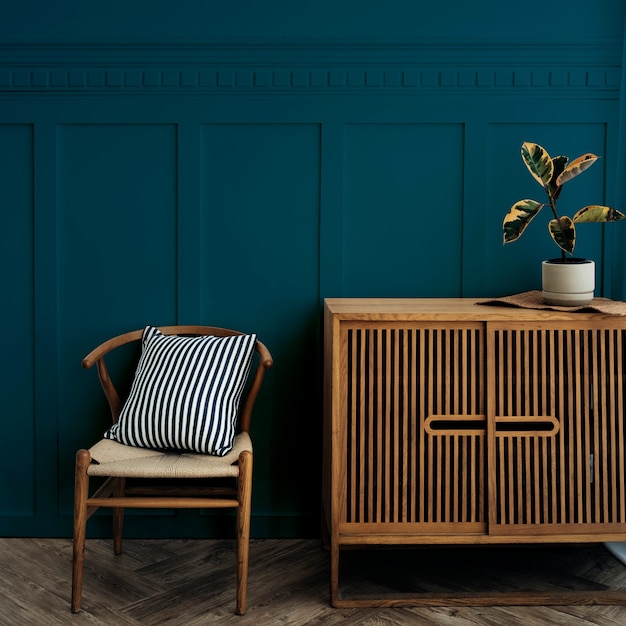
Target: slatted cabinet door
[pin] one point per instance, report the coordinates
(557, 439)
(415, 425)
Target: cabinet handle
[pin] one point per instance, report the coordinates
(456, 424)
(515, 426)
(527, 426)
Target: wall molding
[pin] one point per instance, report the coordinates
(313, 67)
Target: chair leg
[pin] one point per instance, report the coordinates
(81, 492)
(118, 517)
(244, 489)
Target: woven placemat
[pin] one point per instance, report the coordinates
(534, 300)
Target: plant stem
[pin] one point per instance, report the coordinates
(556, 217)
(553, 205)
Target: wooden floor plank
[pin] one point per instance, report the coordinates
(192, 582)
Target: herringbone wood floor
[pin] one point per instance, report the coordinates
(189, 582)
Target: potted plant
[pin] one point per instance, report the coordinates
(566, 281)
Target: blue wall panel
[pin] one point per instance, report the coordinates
(116, 255)
(17, 382)
(403, 203)
(508, 181)
(234, 164)
(259, 272)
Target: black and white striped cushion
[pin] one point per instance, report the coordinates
(186, 392)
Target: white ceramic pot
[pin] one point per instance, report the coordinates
(568, 283)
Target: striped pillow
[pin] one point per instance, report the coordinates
(186, 392)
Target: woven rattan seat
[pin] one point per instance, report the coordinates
(110, 458)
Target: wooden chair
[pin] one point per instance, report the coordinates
(117, 463)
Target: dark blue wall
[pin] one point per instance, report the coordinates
(205, 20)
(234, 163)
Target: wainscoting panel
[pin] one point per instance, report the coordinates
(17, 380)
(403, 204)
(259, 271)
(116, 257)
(508, 180)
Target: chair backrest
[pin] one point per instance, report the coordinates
(97, 355)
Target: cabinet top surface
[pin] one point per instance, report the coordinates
(453, 309)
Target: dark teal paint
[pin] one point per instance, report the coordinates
(403, 196)
(259, 272)
(516, 183)
(16, 314)
(238, 163)
(201, 20)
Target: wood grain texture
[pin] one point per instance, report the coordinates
(190, 582)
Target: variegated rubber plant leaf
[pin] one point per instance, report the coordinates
(577, 166)
(554, 188)
(597, 213)
(538, 162)
(517, 219)
(563, 233)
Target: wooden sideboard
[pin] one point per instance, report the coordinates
(450, 422)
